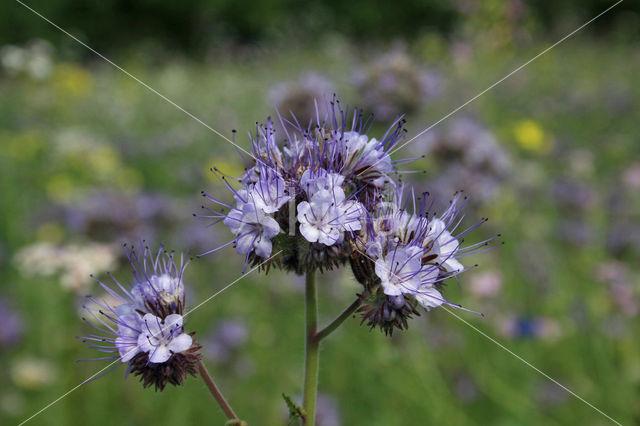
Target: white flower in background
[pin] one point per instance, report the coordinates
(74, 262)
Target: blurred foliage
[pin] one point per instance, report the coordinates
(193, 25)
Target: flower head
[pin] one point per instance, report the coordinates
(143, 326)
(403, 259)
(330, 194)
(303, 202)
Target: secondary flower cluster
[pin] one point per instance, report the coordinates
(402, 258)
(330, 195)
(144, 325)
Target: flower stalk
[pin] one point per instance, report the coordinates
(337, 322)
(311, 359)
(217, 395)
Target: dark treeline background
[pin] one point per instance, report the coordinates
(192, 26)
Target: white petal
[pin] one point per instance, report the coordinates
(243, 244)
(304, 212)
(429, 297)
(180, 343)
(452, 265)
(126, 349)
(171, 322)
(263, 247)
(152, 325)
(391, 289)
(309, 232)
(382, 269)
(144, 343)
(270, 227)
(160, 354)
(234, 221)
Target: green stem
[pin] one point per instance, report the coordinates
(338, 321)
(216, 392)
(311, 359)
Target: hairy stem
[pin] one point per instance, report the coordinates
(311, 353)
(338, 321)
(222, 402)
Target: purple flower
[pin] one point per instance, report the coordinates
(399, 271)
(403, 259)
(315, 188)
(162, 337)
(143, 326)
(328, 214)
(330, 195)
(11, 330)
(254, 229)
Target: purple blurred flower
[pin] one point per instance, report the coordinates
(227, 339)
(12, 325)
(465, 156)
(394, 84)
(529, 327)
(572, 195)
(298, 96)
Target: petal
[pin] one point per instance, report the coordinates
(144, 343)
(453, 265)
(330, 236)
(309, 232)
(382, 269)
(160, 354)
(151, 325)
(304, 212)
(263, 247)
(126, 348)
(180, 343)
(271, 228)
(234, 221)
(390, 289)
(429, 297)
(172, 322)
(243, 244)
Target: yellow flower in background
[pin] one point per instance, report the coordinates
(531, 137)
(103, 160)
(51, 232)
(33, 373)
(60, 187)
(231, 168)
(21, 146)
(72, 80)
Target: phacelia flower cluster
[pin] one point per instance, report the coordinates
(143, 326)
(328, 194)
(403, 256)
(302, 201)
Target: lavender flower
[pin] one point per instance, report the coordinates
(254, 229)
(395, 84)
(331, 195)
(402, 260)
(12, 326)
(162, 337)
(144, 328)
(328, 172)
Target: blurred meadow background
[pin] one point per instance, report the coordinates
(91, 159)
